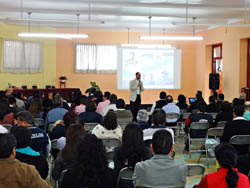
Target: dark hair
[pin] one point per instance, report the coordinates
(4, 109)
(162, 142)
(137, 73)
(159, 117)
(36, 107)
(69, 118)
(11, 99)
(47, 103)
(17, 94)
(22, 135)
(226, 155)
(239, 110)
(57, 101)
(221, 96)
(211, 99)
(169, 99)
(110, 120)
(202, 106)
(133, 149)
(90, 106)
(74, 134)
(91, 162)
(163, 95)
(199, 97)
(225, 106)
(107, 94)
(25, 116)
(182, 99)
(113, 99)
(7, 143)
(120, 104)
(235, 102)
(199, 93)
(83, 100)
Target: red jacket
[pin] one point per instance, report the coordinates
(218, 180)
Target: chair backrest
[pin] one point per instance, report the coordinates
(195, 169)
(51, 127)
(61, 176)
(182, 111)
(215, 132)
(186, 115)
(39, 122)
(240, 140)
(172, 116)
(125, 174)
(123, 125)
(213, 115)
(109, 155)
(111, 143)
(7, 126)
(199, 125)
(89, 126)
(54, 144)
(221, 124)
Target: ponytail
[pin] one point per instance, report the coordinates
(232, 178)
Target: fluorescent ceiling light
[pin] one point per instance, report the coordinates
(53, 35)
(186, 38)
(157, 46)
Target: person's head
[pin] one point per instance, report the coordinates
(159, 117)
(90, 106)
(12, 100)
(133, 148)
(199, 97)
(211, 100)
(106, 95)
(35, 107)
(221, 97)
(169, 99)
(25, 118)
(142, 116)
(182, 99)
(238, 111)
(7, 146)
(120, 104)
(22, 135)
(235, 101)
(138, 76)
(69, 118)
(163, 95)
(226, 156)
(199, 93)
(17, 94)
(162, 142)
(202, 106)
(83, 100)
(90, 161)
(4, 109)
(110, 120)
(47, 104)
(57, 100)
(113, 99)
(225, 106)
(215, 94)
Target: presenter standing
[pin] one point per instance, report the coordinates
(136, 87)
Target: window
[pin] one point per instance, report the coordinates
(21, 56)
(96, 58)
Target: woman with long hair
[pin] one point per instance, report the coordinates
(132, 150)
(36, 108)
(90, 169)
(228, 175)
(66, 157)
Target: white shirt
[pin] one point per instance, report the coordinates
(171, 108)
(107, 108)
(102, 132)
(3, 129)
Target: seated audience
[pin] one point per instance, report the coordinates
(19, 100)
(57, 112)
(6, 117)
(238, 126)
(66, 157)
(109, 127)
(13, 172)
(160, 103)
(36, 108)
(193, 106)
(228, 175)
(47, 106)
(12, 105)
(225, 114)
(122, 113)
(171, 108)
(111, 106)
(142, 119)
(161, 170)
(26, 154)
(212, 107)
(182, 104)
(39, 138)
(246, 114)
(91, 166)
(220, 99)
(90, 116)
(104, 103)
(132, 150)
(82, 107)
(159, 121)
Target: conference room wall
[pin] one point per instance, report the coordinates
(47, 76)
(107, 82)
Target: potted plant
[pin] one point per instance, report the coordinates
(94, 87)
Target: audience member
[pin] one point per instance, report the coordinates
(132, 150)
(26, 154)
(82, 107)
(12, 105)
(161, 170)
(193, 106)
(109, 127)
(91, 116)
(142, 119)
(212, 107)
(91, 166)
(47, 106)
(122, 113)
(36, 108)
(160, 103)
(246, 114)
(66, 157)
(225, 114)
(19, 100)
(6, 117)
(238, 126)
(39, 139)
(104, 103)
(220, 99)
(111, 106)
(228, 175)
(13, 172)
(171, 108)
(182, 104)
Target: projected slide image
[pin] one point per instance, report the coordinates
(156, 67)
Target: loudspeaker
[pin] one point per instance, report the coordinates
(214, 81)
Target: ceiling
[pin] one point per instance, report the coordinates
(171, 15)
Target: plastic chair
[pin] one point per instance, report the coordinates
(7, 126)
(195, 170)
(213, 115)
(240, 140)
(89, 126)
(111, 143)
(126, 175)
(221, 124)
(39, 122)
